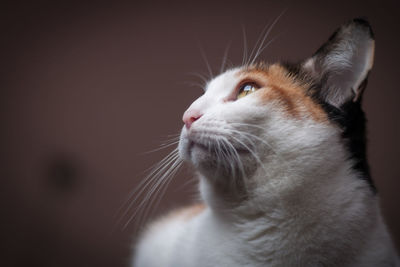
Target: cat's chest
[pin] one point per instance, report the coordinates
(206, 241)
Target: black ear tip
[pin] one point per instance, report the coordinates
(364, 23)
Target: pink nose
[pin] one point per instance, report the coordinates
(191, 116)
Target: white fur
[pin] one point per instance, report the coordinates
(304, 206)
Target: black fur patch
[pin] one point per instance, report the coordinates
(336, 37)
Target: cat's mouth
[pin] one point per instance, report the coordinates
(217, 147)
(199, 145)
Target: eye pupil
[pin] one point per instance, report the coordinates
(246, 89)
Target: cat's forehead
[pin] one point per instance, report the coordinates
(225, 81)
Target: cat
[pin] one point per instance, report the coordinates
(280, 151)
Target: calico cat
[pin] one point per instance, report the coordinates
(280, 151)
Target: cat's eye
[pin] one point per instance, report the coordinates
(247, 88)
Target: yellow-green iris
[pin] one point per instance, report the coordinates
(246, 89)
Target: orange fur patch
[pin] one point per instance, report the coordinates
(277, 85)
(185, 214)
(188, 212)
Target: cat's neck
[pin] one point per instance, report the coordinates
(291, 191)
(340, 202)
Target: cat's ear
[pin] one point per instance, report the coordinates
(342, 64)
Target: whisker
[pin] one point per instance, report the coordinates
(238, 160)
(226, 153)
(224, 58)
(159, 180)
(203, 55)
(247, 124)
(164, 186)
(259, 50)
(163, 146)
(240, 164)
(250, 150)
(263, 48)
(190, 181)
(279, 156)
(193, 84)
(173, 135)
(260, 37)
(245, 52)
(158, 193)
(218, 151)
(261, 140)
(152, 183)
(201, 76)
(254, 136)
(135, 194)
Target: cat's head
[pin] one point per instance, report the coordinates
(264, 123)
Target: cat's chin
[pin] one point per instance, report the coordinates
(198, 154)
(212, 164)
(202, 157)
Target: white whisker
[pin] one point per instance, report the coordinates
(239, 162)
(202, 77)
(260, 44)
(250, 150)
(162, 146)
(158, 192)
(245, 52)
(148, 181)
(159, 181)
(256, 45)
(224, 58)
(159, 175)
(203, 55)
(193, 84)
(144, 183)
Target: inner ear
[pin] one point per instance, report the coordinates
(342, 64)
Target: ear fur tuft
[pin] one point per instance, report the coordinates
(343, 63)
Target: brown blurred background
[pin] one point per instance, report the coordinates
(87, 88)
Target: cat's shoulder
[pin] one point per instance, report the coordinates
(163, 234)
(177, 216)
